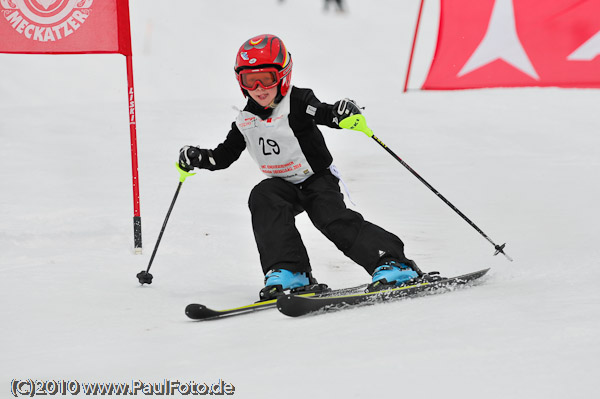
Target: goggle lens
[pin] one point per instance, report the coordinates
(250, 80)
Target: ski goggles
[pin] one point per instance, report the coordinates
(267, 78)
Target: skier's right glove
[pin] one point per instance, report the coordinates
(189, 158)
(343, 109)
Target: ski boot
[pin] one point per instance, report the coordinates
(393, 274)
(279, 280)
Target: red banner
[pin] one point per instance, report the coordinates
(76, 27)
(503, 43)
(64, 26)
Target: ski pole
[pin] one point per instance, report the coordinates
(144, 277)
(358, 122)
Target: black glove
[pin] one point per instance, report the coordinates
(189, 158)
(343, 109)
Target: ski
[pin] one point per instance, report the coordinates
(294, 305)
(200, 312)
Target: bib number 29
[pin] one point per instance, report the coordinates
(269, 146)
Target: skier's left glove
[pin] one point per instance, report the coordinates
(343, 109)
(189, 157)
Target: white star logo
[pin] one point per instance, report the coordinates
(588, 50)
(46, 3)
(501, 42)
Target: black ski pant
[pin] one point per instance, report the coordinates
(274, 203)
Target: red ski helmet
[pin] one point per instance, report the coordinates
(263, 53)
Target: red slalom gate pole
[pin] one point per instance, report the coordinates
(412, 51)
(137, 219)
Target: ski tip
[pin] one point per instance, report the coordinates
(286, 305)
(193, 309)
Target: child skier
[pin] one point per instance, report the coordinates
(278, 127)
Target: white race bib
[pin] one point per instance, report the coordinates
(273, 145)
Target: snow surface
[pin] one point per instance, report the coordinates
(523, 164)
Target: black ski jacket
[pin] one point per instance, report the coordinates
(306, 112)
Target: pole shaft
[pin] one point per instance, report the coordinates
(162, 230)
(440, 196)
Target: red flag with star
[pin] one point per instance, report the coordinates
(504, 43)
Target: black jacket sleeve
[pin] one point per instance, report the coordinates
(306, 111)
(226, 153)
(322, 113)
